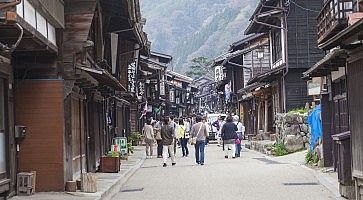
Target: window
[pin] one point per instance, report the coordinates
(177, 97)
(171, 96)
(276, 46)
(2, 128)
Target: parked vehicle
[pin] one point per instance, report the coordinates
(212, 130)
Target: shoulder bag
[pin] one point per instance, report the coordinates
(193, 140)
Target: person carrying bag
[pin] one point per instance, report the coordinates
(199, 134)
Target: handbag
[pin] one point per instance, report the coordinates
(193, 140)
(158, 135)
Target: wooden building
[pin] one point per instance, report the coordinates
(255, 100)
(206, 98)
(152, 84)
(341, 72)
(178, 88)
(74, 78)
(29, 49)
(293, 48)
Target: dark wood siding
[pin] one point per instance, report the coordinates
(303, 51)
(39, 106)
(355, 82)
(296, 90)
(326, 118)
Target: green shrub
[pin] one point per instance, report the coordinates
(135, 138)
(279, 149)
(311, 157)
(130, 148)
(299, 111)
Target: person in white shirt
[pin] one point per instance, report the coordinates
(221, 122)
(240, 134)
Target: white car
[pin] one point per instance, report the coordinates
(212, 131)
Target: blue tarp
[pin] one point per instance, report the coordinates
(314, 120)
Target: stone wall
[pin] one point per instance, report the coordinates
(292, 129)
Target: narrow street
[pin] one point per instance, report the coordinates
(250, 177)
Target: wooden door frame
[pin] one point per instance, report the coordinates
(6, 130)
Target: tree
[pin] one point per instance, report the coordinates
(200, 67)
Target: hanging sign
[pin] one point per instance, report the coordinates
(131, 75)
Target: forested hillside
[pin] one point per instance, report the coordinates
(191, 28)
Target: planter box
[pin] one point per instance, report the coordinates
(110, 164)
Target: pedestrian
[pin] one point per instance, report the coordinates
(182, 137)
(158, 138)
(173, 125)
(199, 135)
(205, 122)
(229, 136)
(149, 139)
(167, 135)
(240, 135)
(218, 124)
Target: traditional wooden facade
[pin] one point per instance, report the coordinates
(73, 81)
(151, 85)
(292, 50)
(29, 49)
(341, 94)
(206, 98)
(178, 91)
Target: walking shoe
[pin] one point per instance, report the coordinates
(172, 164)
(164, 165)
(226, 157)
(233, 157)
(201, 163)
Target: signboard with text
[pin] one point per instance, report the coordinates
(131, 77)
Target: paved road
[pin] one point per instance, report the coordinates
(250, 177)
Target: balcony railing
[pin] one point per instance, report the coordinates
(333, 18)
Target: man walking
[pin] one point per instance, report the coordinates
(167, 135)
(199, 133)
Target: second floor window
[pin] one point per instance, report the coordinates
(171, 96)
(276, 45)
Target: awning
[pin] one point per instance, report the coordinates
(250, 88)
(268, 76)
(341, 38)
(103, 77)
(331, 61)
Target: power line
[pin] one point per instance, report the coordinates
(302, 7)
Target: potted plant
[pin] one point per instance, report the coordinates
(111, 162)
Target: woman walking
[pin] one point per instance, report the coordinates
(167, 135)
(157, 127)
(199, 134)
(229, 137)
(183, 138)
(149, 138)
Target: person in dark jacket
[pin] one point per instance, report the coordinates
(229, 136)
(167, 135)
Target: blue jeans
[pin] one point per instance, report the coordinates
(199, 152)
(184, 145)
(238, 150)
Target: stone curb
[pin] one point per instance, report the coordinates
(115, 188)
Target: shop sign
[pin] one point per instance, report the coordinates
(131, 75)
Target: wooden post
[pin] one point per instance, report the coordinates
(89, 183)
(258, 117)
(266, 116)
